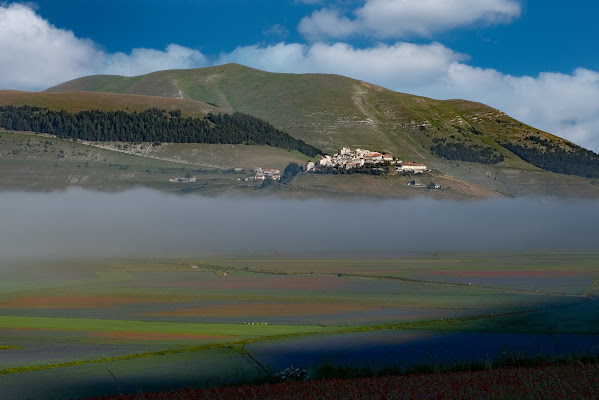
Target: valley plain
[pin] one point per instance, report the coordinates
(91, 328)
(141, 252)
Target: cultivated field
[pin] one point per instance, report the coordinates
(97, 328)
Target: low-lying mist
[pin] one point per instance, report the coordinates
(146, 223)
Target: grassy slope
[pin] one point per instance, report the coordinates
(38, 162)
(44, 163)
(331, 111)
(79, 101)
(212, 155)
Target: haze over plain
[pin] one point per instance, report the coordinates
(145, 223)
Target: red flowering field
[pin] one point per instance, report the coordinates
(575, 381)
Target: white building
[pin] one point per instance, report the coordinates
(346, 158)
(182, 180)
(410, 166)
(326, 161)
(373, 157)
(271, 172)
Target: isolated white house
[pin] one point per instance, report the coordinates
(409, 166)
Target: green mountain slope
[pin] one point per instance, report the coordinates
(82, 101)
(330, 111)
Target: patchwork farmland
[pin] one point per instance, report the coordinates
(76, 328)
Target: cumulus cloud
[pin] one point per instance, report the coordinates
(142, 61)
(400, 18)
(35, 54)
(387, 65)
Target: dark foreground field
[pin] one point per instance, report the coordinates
(577, 381)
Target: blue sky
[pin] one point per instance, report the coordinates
(549, 35)
(534, 59)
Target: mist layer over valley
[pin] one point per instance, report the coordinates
(140, 223)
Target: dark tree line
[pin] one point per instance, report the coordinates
(261, 132)
(151, 125)
(549, 156)
(470, 153)
(291, 170)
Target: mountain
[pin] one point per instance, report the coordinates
(468, 140)
(329, 111)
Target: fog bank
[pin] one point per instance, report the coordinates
(143, 222)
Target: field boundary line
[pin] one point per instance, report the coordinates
(590, 291)
(239, 345)
(400, 278)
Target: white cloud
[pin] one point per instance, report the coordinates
(400, 18)
(276, 30)
(34, 54)
(142, 61)
(386, 65)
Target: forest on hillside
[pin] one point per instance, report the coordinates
(546, 154)
(462, 152)
(152, 125)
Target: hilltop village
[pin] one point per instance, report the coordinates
(348, 159)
